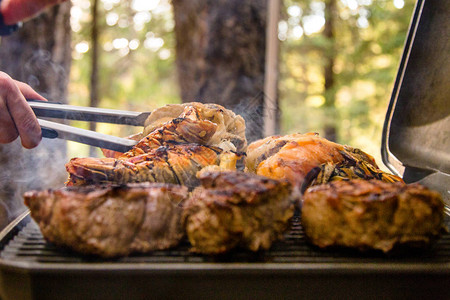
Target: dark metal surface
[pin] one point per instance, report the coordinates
(57, 130)
(54, 130)
(416, 135)
(31, 268)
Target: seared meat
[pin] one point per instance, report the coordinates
(229, 133)
(371, 214)
(174, 164)
(110, 221)
(178, 141)
(178, 131)
(115, 154)
(234, 209)
(348, 169)
(294, 156)
(290, 156)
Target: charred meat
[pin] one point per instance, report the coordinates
(178, 141)
(349, 168)
(229, 131)
(170, 164)
(177, 131)
(293, 157)
(371, 214)
(236, 209)
(110, 221)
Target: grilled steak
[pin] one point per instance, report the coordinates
(371, 214)
(234, 209)
(110, 221)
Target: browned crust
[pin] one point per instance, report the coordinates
(110, 221)
(371, 214)
(234, 209)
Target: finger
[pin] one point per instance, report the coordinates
(28, 92)
(8, 131)
(21, 113)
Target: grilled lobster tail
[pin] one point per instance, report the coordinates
(182, 140)
(171, 164)
(177, 131)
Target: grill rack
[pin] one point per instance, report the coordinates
(28, 245)
(31, 268)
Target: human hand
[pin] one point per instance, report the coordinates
(14, 11)
(16, 116)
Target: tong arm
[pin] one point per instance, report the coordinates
(93, 114)
(62, 131)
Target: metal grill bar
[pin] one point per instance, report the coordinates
(28, 245)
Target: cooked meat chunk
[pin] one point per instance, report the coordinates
(178, 131)
(115, 154)
(307, 159)
(178, 141)
(174, 164)
(234, 209)
(371, 214)
(291, 157)
(229, 131)
(110, 221)
(348, 169)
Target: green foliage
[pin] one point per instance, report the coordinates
(136, 67)
(369, 37)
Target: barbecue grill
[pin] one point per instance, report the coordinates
(32, 268)
(415, 145)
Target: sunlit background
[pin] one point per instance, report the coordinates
(137, 69)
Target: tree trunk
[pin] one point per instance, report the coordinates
(94, 88)
(331, 116)
(38, 54)
(220, 55)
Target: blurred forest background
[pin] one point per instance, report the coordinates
(338, 60)
(337, 64)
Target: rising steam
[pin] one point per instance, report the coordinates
(23, 170)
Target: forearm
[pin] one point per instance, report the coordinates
(14, 11)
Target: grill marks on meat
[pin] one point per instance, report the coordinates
(236, 209)
(230, 130)
(371, 215)
(170, 164)
(183, 139)
(110, 221)
(191, 143)
(177, 131)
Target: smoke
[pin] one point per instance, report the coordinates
(254, 112)
(45, 75)
(24, 170)
(43, 166)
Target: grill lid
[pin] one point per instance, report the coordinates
(416, 134)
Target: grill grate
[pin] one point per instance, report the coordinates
(28, 245)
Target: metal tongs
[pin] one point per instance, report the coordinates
(69, 112)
